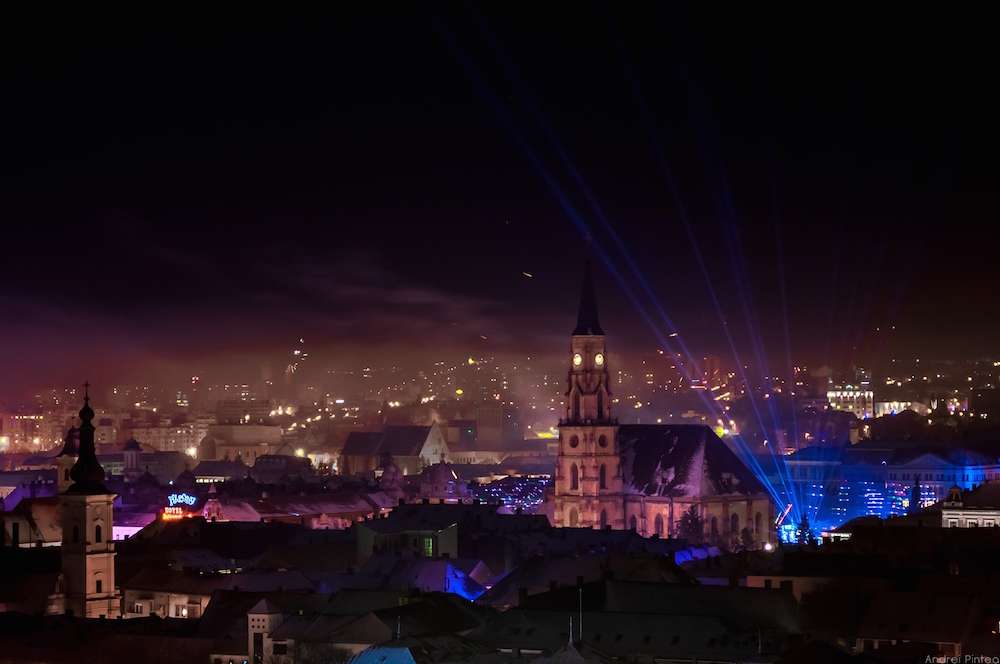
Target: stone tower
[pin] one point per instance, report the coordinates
(87, 583)
(588, 485)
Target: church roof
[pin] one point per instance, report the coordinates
(405, 441)
(399, 441)
(438, 473)
(147, 478)
(362, 443)
(682, 460)
(586, 320)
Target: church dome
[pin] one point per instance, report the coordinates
(439, 473)
(392, 477)
(148, 479)
(131, 445)
(442, 482)
(186, 480)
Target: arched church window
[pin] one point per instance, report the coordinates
(574, 477)
(97, 534)
(574, 518)
(715, 527)
(632, 525)
(576, 406)
(602, 441)
(734, 524)
(600, 404)
(756, 522)
(604, 519)
(604, 476)
(76, 534)
(658, 525)
(574, 441)
(66, 474)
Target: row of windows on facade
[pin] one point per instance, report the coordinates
(973, 523)
(658, 529)
(943, 477)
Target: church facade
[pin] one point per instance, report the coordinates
(644, 477)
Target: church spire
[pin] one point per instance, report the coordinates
(586, 321)
(87, 473)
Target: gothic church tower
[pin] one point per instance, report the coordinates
(588, 484)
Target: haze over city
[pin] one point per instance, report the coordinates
(382, 183)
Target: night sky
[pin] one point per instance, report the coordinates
(193, 193)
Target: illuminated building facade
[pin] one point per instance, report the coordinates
(858, 399)
(20, 431)
(978, 508)
(877, 478)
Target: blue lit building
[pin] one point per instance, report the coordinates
(877, 478)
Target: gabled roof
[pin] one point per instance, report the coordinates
(384, 655)
(935, 618)
(44, 517)
(226, 612)
(984, 496)
(362, 443)
(434, 517)
(405, 441)
(265, 607)
(333, 503)
(682, 460)
(399, 441)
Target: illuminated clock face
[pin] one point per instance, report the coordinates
(599, 359)
(577, 359)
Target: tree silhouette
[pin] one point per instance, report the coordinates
(804, 533)
(915, 495)
(691, 526)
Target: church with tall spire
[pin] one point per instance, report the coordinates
(644, 477)
(588, 477)
(86, 586)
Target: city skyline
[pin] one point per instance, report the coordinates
(431, 180)
(498, 333)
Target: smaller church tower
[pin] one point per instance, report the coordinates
(87, 583)
(588, 485)
(66, 458)
(131, 452)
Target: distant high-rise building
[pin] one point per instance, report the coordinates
(857, 398)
